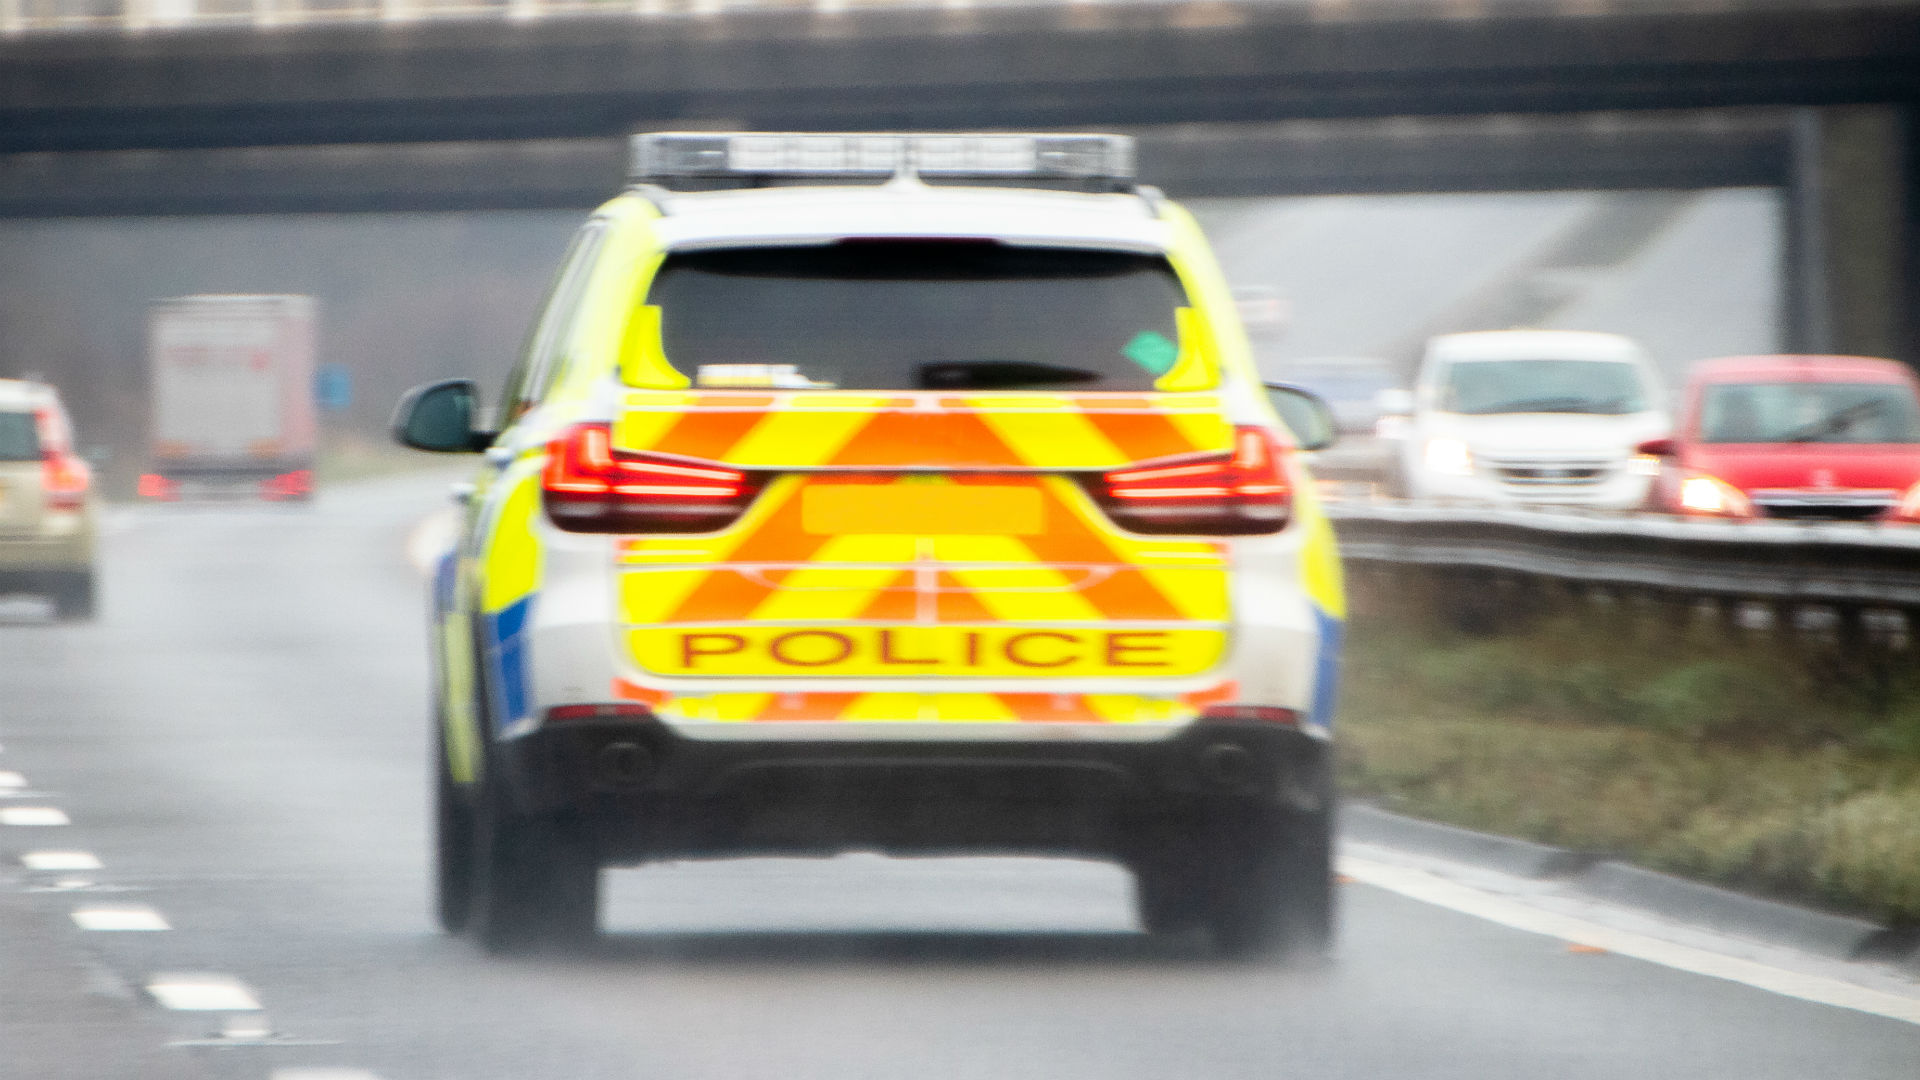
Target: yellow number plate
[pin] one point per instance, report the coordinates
(920, 510)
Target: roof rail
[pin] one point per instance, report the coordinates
(754, 158)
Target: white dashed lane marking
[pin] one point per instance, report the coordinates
(202, 992)
(10, 780)
(32, 815)
(59, 861)
(124, 917)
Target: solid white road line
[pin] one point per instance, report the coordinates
(12, 780)
(1432, 889)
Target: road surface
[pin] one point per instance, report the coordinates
(240, 742)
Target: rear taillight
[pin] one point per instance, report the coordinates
(297, 484)
(1241, 492)
(591, 487)
(1261, 714)
(65, 479)
(611, 711)
(155, 486)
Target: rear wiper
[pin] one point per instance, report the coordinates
(998, 374)
(1835, 420)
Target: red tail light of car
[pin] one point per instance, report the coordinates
(64, 477)
(590, 487)
(297, 484)
(1242, 492)
(1264, 714)
(155, 486)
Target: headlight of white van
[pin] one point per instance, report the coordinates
(1449, 457)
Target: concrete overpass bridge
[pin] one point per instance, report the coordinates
(159, 106)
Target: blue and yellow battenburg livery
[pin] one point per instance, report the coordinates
(694, 570)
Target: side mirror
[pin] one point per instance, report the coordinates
(1656, 448)
(439, 417)
(1394, 401)
(1305, 414)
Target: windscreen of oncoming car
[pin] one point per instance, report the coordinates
(1810, 412)
(19, 437)
(919, 315)
(1483, 387)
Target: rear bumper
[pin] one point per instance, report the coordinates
(649, 793)
(35, 557)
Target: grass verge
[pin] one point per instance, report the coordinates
(1735, 758)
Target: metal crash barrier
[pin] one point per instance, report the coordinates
(1840, 565)
(22, 16)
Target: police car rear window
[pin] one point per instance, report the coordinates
(919, 315)
(19, 437)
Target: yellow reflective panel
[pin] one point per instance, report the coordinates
(512, 564)
(968, 708)
(456, 666)
(1200, 594)
(1063, 439)
(825, 593)
(651, 596)
(1319, 554)
(715, 708)
(883, 707)
(1194, 368)
(1208, 428)
(643, 359)
(801, 437)
(1136, 709)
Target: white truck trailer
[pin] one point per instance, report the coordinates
(233, 399)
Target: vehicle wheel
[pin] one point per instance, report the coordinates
(536, 880)
(1269, 883)
(453, 838)
(74, 599)
(1167, 899)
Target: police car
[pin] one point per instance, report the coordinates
(899, 493)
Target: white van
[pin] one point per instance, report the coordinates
(1532, 416)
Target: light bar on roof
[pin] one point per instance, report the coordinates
(664, 156)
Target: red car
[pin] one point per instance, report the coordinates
(1835, 437)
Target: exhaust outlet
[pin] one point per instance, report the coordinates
(623, 765)
(1227, 764)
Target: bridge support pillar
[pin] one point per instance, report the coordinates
(1853, 233)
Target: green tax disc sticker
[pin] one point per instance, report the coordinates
(1152, 350)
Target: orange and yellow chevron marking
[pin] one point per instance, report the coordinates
(818, 430)
(771, 567)
(898, 707)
